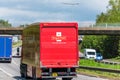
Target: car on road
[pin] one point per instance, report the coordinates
(90, 53)
(99, 57)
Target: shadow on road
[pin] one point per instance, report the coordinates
(18, 78)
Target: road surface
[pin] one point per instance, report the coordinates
(10, 71)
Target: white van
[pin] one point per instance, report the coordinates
(90, 53)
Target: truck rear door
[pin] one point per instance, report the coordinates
(2, 46)
(5, 47)
(59, 45)
(8, 42)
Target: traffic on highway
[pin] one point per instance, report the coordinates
(60, 40)
(11, 71)
(41, 57)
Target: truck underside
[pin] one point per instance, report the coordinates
(58, 72)
(5, 59)
(47, 73)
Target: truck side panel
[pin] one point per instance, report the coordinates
(8, 47)
(30, 47)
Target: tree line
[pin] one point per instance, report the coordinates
(5, 23)
(108, 45)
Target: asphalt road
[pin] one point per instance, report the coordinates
(10, 71)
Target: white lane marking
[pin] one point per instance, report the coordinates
(6, 72)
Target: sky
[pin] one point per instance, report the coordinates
(19, 12)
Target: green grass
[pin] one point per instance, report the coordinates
(16, 44)
(92, 63)
(107, 75)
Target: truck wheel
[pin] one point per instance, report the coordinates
(22, 75)
(66, 78)
(25, 73)
(34, 73)
(23, 70)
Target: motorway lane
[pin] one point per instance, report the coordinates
(84, 77)
(3, 76)
(10, 71)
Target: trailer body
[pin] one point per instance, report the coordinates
(50, 50)
(5, 48)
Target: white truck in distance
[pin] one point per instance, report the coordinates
(90, 53)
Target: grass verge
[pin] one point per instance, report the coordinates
(92, 63)
(16, 44)
(106, 75)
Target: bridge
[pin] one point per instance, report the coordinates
(11, 31)
(81, 31)
(99, 31)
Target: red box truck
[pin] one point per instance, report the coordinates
(50, 50)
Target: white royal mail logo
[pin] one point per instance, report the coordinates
(58, 37)
(58, 34)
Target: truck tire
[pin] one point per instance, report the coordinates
(25, 73)
(22, 75)
(34, 73)
(66, 78)
(23, 70)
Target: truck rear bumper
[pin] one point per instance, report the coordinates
(59, 77)
(5, 59)
(59, 73)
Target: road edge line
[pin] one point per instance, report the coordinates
(6, 73)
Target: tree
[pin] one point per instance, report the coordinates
(109, 46)
(95, 42)
(23, 25)
(112, 15)
(4, 23)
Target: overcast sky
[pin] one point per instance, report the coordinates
(29, 11)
